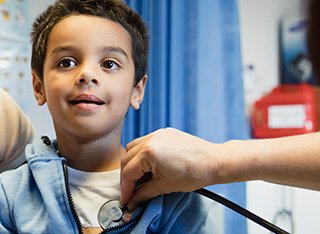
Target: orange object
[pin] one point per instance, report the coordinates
(289, 109)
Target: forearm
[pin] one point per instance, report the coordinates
(291, 161)
(16, 132)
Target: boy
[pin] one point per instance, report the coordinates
(89, 62)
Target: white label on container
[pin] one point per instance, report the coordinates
(287, 116)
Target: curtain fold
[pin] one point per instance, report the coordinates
(195, 79)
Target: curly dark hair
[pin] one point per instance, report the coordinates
(114, 10)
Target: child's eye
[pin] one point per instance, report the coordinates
(66, 63)
(109, 64)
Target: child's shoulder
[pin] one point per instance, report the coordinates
(41, 165)
(12, 181)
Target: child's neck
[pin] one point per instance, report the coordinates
(92, 156)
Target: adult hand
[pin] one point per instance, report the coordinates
(178, 162)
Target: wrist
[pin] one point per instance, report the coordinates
(234, 162)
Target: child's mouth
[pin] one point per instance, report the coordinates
(87, 102)
(75, 102)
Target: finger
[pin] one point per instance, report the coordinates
(141, 139)
(132, 153)
(127, 189)
(143, 193)
(130, 174)
(128, 186)
(135, 142)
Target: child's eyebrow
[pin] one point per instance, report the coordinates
(62, 49)
(114, 49)
(110, 49)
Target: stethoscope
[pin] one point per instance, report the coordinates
(111, 212)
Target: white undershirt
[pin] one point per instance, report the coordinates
(92, 189)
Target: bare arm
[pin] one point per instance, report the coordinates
(182, 162)
(293, 161)
(16, 131)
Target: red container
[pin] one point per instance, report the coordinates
(289, 109)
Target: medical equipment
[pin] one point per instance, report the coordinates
(111, 212)
(253, 217)
(289, 109)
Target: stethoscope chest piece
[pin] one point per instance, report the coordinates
(110, 214)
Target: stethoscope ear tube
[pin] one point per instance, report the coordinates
(253, 217)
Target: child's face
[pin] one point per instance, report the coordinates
(88, 76)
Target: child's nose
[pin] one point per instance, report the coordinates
(87, 77)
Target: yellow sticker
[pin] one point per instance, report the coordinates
(2, 1)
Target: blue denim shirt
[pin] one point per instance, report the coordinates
(34, 199)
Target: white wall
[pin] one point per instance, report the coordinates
(40, 116)
(36, 7)
(259, 22)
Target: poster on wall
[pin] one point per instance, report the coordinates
(296, 67)
(15, 52)
(14, 21)
(15, 72)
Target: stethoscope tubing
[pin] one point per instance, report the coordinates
(253, 217)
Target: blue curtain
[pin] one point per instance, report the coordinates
(195, 79)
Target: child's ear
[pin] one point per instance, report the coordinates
(138, 93)
(38, 89)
